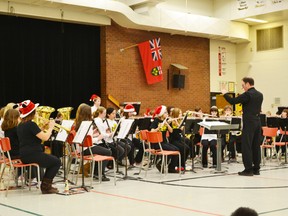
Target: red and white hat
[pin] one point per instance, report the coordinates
(129, 108)
(94, 96)
(26, 107)
(160, 110)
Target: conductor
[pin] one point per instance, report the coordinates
(251, 101)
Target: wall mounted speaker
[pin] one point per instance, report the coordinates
(178, 81)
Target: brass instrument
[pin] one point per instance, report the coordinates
(44, 113)
(65, 111)
(57, 127)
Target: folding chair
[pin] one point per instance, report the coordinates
(15, 164)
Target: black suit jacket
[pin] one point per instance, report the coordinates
(251, 101)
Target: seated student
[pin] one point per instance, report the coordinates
(96, 102)
(209, 140)
(160, 124)
(9, 126)
(117, 147)
(83, 113)
(233, 136)
(129, 111)
(177, 138)
(31, 150)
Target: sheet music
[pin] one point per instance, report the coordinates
(62, 134)
(125, 127)
(82, 131)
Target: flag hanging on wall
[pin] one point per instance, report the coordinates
(151, 55)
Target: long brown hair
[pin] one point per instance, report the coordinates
(83, 114)
(10, 119)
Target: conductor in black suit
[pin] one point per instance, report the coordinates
(251, 101)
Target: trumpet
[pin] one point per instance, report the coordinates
(41, 121)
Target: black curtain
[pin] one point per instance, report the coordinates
(52, 63)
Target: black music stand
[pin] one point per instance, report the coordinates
(80, 138)
(192, 127)
(219, 128)
(273, 122)
(283, 123)
(114, 138)
(125, 130)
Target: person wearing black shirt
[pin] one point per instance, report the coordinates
(251, 101)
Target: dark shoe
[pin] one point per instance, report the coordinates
(205, 165)
(245, 173)
(256, 172)
(213, 166)
(46, 187)
(104, 178)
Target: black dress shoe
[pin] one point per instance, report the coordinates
(104, 178)
(213, 166)
(245, 173)
(256, 172)
(205, 165)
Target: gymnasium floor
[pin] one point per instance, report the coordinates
(195, 193)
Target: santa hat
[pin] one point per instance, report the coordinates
(26, 107)
(129, 108)
(160, 110)
(94, 96)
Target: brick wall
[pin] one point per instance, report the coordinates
(122, 73)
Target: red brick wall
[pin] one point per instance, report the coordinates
(123, 74)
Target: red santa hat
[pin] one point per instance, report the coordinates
(129, 108)
(94, 96)
(26, 107)
(160, 110)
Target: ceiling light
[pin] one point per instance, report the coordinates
(256, 20)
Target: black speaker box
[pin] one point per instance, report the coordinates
(178, 81)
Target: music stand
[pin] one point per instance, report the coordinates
(283, 123)
(62, 136)
(219, 128)
(125, 128)
(114, 138)
(192, 127)
(80, 138)
(273, 122)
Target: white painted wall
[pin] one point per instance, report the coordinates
(268, 68)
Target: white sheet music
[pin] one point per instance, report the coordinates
(82, 131)
(62, 134)
(124, 128)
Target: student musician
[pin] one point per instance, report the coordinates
(83, 113)
(129, 112)
(234, 136)
(160, 124)
(31, 150)
(9, 126)
(117, 147)
(210, 140)
(177, 137)
(96, 102)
